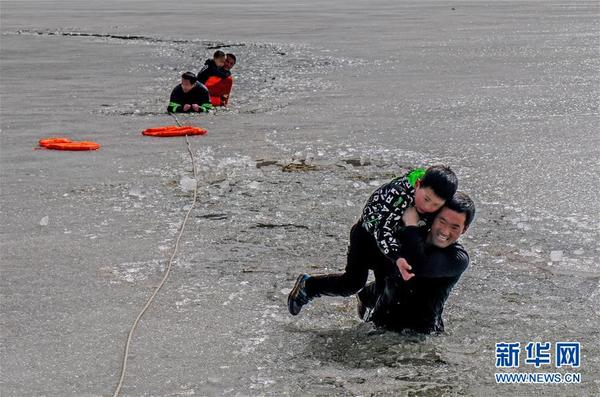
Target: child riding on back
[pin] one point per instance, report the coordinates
(373, 239)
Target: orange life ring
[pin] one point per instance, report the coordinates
(172, 130)
(48, 141)
(77, 145)
(156, 129)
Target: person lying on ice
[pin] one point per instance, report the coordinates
(415, 301)
(373, 242)
(189, 96)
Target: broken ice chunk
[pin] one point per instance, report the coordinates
(556, 256)
(136, 191)
(187, 184)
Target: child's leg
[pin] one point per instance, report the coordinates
(362, 251)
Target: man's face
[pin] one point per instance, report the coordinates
(229, 62)
(447, 227)
(426, 201)
(186, 85)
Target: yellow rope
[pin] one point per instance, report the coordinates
(164, 279)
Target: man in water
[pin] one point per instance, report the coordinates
(415, 301)
(220, 90)
(230, 61)
(373, 241)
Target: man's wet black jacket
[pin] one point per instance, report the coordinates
(417, 304)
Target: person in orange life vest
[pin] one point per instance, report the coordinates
(189, 96)
(230, 61)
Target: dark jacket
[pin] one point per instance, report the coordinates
(197, 95)
(417, 304)
(211, 69)
(382, 215)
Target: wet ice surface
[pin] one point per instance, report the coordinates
(239, 260)
(269, 77)
(283, 175)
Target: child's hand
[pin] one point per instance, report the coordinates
(186, 107)
(411, 217)
(404, 268)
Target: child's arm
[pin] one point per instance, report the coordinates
(413, 244)
(413, 251)
(222, 73)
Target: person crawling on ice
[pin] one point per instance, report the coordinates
(373, 242)
(416, 300)
(214, 67)
(189, 96)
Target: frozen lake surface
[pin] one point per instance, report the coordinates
(329, 102)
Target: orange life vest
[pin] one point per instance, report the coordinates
(219, 89)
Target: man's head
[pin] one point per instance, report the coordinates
(230, 61)
(452, 221)
(188, 80)
(436, 187)
(219, 58)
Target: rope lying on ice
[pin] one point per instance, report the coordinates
(165, 276)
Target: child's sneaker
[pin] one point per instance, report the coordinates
(298, 296)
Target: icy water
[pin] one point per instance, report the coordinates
(330, 101)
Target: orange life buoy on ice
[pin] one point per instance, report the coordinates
(67, 144)
(74, 145)
(156, 129)
(172, 130)
(48, 141)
